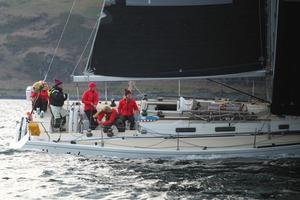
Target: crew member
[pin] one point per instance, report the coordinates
(56, 99)
(39, 97)
(90, 99)
(127, 108)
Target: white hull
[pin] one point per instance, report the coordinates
(196, 139)
(270, 125)
(138, 153)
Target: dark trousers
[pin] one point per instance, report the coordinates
(89, 114)
(39, 103)
(130, 119)
(118, 123)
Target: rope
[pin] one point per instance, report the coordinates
(60, 38)
(184, 142)
(195, 145)
(152, 145)
(33, 105)
(45, 131)
(141, 93)
(240, 91)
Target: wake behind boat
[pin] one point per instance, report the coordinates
(149, 41)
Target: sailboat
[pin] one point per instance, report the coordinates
(181, 40)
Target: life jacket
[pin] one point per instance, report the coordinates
(109, 117)
(43, 95)
(90, 97)
(57, 97)
(127, 108)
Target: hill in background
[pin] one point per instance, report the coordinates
(29, 33)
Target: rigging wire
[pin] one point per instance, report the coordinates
(94, 39)
(60, 38)
(95, 28)
(85, 47)
(190, 144)
(135, 87)
(240, 91)
(148, 147)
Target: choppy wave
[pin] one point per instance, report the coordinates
(9, 151)
(35, 175)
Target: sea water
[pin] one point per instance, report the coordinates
(36, 175)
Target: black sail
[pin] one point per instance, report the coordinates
(286, 98)
(160, 40)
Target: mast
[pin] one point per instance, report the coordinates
(274, 25)
(285, 63)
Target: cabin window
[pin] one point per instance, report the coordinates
(225, 129)
(166, 107)
(185, 130)
(283, 126)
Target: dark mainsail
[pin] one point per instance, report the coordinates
(286, 98)
(165, 39)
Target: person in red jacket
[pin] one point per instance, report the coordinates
(127, 108)
(111, 117)
(39, 96)
(90, 99)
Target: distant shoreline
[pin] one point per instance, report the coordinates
(13, 97)
(24, 98)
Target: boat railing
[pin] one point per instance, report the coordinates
(206, 115)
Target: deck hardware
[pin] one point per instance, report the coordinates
(89, 133)
(254, 142)
(102, 139)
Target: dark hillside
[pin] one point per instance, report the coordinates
(29, 33)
